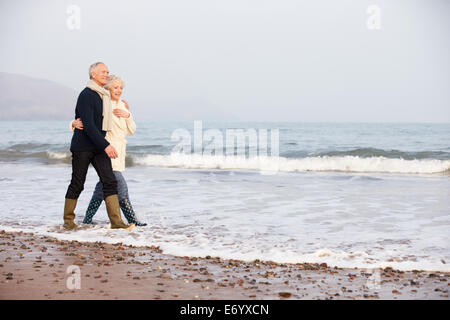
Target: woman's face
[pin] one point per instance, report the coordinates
(116, 90)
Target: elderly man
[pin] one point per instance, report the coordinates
(89, 146)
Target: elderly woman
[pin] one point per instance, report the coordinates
(123, 125)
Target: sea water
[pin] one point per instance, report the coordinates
(362, 195)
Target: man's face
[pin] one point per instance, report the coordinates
(100, 74)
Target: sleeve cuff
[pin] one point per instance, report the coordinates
(130, 117)
(106, 145)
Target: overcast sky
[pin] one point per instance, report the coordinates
(261, 60)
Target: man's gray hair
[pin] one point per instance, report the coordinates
(111, 79)
(93, 67)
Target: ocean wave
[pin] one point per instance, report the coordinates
(39, 151)
(29, 146)
(47, 156)
(328, 162)
(397, 154)
(319, 163)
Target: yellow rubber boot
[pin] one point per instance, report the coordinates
(113, 209)
(69, 214)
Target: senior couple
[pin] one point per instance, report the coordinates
(102, 123)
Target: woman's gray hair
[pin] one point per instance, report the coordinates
(93, 67)
(111, 79)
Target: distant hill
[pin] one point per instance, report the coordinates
(26, 98)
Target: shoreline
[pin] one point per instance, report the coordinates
(35, 267)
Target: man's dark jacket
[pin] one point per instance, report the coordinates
(90, 109)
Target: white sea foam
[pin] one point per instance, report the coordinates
(199, 246)
(321, 163)
(57, 155)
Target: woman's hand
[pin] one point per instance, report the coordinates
(121, 113)
(77, 124)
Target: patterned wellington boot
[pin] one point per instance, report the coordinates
(91, 210)
(128, 212)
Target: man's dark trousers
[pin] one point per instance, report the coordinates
(102, 164)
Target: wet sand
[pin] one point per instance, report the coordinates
(35, 267)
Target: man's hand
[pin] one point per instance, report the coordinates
(111, 152)
(121, 113)
(77, 124)
(126, 104)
